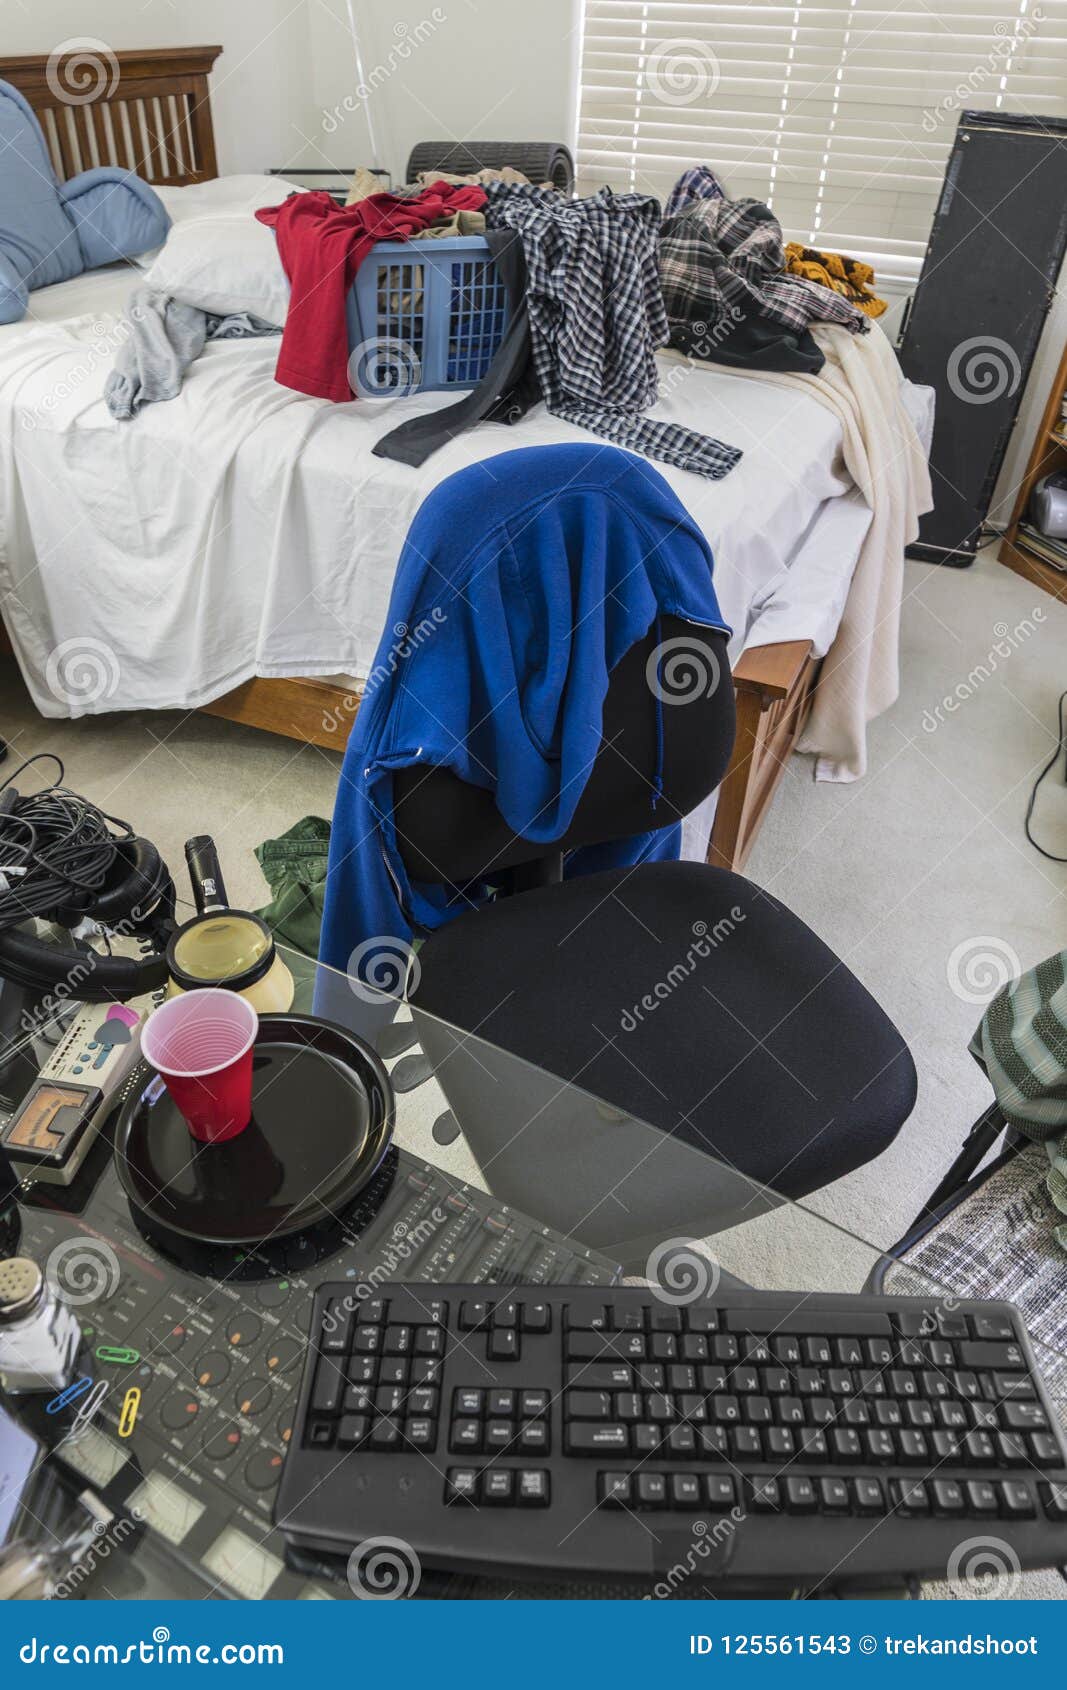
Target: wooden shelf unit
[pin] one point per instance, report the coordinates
(1049, 453)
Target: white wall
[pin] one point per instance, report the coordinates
(260, 85)
(438, 69)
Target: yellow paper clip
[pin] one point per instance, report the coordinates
(131, 1402)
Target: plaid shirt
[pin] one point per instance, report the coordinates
(699, 182)
(597, 316)
(722, 257)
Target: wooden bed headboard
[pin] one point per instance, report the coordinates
(146, 111)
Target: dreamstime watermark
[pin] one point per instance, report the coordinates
(406, 38)
(704, 1543)
(383, 1569)
(407, 637)
(981, 967)
(82, 1270)
(681, 71)
(46, 1008)
(158, 1650)
(703, 339)
(106, 339)
(108, 1536)
(682, 1271)
(983, 369)
(682, 669)
(705, 941)
(403, 1245)
(1010, 36)
(1006, 641)
(82, 671)
(384, 367)
(383, 967)
(82, 70)
(984, 1567)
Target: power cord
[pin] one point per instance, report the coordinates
(56, 848)
(1061, 750)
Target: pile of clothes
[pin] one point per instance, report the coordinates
(595, 286)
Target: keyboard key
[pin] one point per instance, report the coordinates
(397, 1340)
(586, 1405)
(498, 1487)
(591, 1438)
(1013, 1387)
(472, 1315)
(501, 1404)
(1000, 1356)
(981, 1496)
(685, 1491)
(993, 1326)
(766, 1496)
(503, 1344)
(614, 1489)
(909, 1496)
(948, 1497)
(799, 1494)
(498, 1435)
(422, 1400)
(701, 1319)
(533, 1488)
(1045, 1450)
(651, 1490)
(533, 1404)
(607, 1376)
(461, 1486)
(466, 1437)
(1054, 1501)
(720, 1491)
(834, 1496)
(1016, 1500)
(329, 1387)
(681, 1443)
(533, 1438)
(870, 1498)
(537, 1317)
(421, 1433)
(1024, 1417)
(386, 1435)
(468, 1402)
(351, 1430)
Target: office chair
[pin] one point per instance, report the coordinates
(732, 1073)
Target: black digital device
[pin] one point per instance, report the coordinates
(213, 1338)
(571, 1431)
(989, 276)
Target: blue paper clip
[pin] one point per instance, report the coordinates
(71, 1394)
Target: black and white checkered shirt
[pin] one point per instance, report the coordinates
(722, 259)
(597, 316)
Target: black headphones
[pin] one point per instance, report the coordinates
(138, 895)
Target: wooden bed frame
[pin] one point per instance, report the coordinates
(151, 112)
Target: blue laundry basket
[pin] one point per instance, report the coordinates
(424, 315)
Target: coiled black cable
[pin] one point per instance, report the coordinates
(56, 848)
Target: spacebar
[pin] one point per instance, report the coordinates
(811, 1323)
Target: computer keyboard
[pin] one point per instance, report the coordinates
(768, 1437)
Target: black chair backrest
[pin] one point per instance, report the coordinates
(450, 832)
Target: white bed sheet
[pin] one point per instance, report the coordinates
(244, 530)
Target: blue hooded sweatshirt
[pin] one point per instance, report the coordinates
(522, 583)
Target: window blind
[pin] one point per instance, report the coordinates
(840, 114)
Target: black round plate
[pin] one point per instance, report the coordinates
(322, 1119)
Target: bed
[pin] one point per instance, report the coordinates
(233, 549)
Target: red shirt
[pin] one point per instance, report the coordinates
(321, 246)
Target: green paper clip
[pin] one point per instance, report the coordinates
(114, 1353)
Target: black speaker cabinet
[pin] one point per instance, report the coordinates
(987, 281)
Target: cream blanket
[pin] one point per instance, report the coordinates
(860, 383)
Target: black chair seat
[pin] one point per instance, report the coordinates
(686, 997)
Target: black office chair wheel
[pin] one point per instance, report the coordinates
(741, 1058)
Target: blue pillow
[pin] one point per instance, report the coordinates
(50, 232)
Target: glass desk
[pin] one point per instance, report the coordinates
(564, 1189)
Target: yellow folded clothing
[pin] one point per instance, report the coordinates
(846, 276)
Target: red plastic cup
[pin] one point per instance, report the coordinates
(200, 1044)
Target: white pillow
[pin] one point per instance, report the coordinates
(225, 194)
(223, 262)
